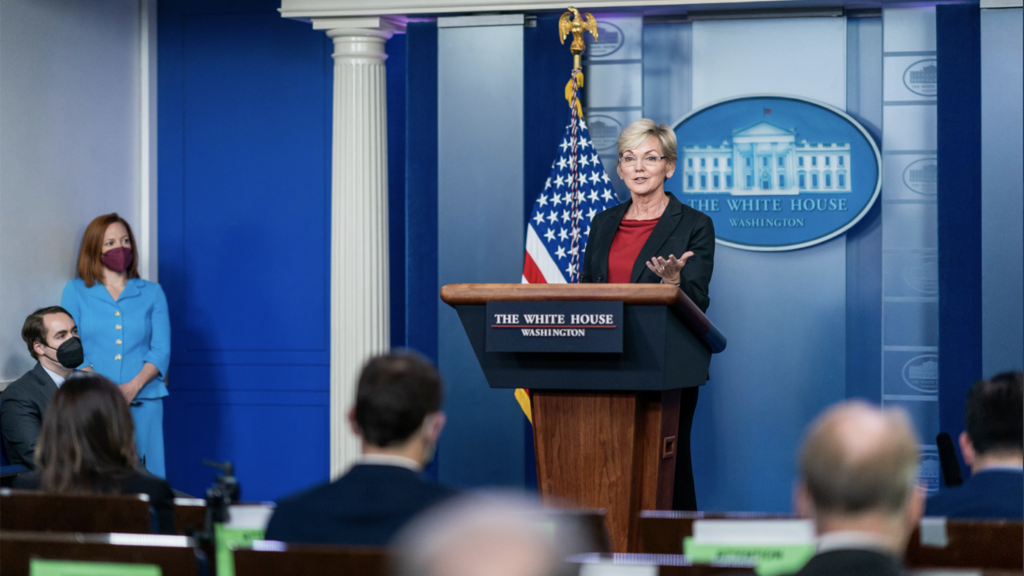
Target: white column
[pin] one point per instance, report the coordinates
(775, 166)
(359, 216)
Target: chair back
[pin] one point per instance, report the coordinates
(271, 558)
(189, 515)
(985, 544)
(175, 555)
(95, 513)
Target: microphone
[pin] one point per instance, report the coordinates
(948, 460)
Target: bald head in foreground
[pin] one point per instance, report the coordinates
(858, 481)
(487, 534)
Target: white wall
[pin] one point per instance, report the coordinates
(70, 145)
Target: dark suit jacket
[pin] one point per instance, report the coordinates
(679, 229)
(21, 413)
(161, 497)
(994, 494)
(851, 563)
(365, 507)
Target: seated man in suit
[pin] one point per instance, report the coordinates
(858, 468)
(993, 447)
(398, 416)
(52, 339)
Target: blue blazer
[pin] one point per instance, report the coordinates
(365, 507)
(118, 337)
(989, 494)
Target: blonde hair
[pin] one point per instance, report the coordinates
(636, 133)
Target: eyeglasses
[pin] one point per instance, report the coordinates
(648, 160)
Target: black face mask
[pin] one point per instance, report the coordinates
(70, 353)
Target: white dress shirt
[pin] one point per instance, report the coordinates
(57, 378)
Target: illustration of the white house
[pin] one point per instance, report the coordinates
(765, 159)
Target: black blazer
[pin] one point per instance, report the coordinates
(679, 229)
(851, 563)
(161, 497)
(21, 413)
(365, 507)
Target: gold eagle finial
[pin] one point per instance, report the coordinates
(576, 26)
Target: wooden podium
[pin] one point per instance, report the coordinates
(604, 424)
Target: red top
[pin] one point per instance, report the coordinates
(626, 245)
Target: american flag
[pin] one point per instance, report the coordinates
(558, 229)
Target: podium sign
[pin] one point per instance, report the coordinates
(548, 327)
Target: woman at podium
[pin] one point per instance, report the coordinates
(652, 238)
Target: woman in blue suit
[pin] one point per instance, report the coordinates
(125, 329)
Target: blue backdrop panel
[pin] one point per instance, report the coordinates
(395, 70)
(1002, 240)
(668, 71)
(786, 361)
(419, 123)
(420, 242)
(785, 313)
(230, 160)
(864, 241)
(244, 152)
(480, 237)
(958, 42)
(544, 107)
(224, 426)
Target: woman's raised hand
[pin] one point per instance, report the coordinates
(669, 270)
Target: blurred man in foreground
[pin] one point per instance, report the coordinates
(858, 470)
(398, 416)
(487, 535)
(993, 446)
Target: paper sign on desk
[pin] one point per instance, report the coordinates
(248, 523)
(778, 546)
(39, 567)
(609, 569)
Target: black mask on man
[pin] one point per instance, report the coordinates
(70, 353)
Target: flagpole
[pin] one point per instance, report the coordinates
(576, 26)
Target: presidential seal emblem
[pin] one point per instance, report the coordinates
(922, 176)
(776, 172)
(922, 373)
(609, 40)
(604, 131)
(922, 77)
